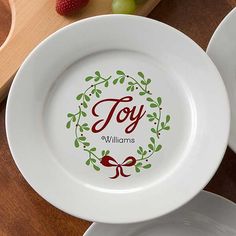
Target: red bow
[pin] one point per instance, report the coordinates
(109, 161)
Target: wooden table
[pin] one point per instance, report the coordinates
(23, 211)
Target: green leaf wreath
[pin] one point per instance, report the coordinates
(139, 84)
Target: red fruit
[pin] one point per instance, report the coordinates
(67, 7)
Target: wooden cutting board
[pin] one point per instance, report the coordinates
(33, 21)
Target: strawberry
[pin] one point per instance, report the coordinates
(67, 7)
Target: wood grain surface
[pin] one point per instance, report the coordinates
(33, 21)
(24, 212)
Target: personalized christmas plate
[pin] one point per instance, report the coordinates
(222, 50)
(118, 119)
(206, 215)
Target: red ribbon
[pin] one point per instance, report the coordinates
(109, 161)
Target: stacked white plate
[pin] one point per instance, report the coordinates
(222, 50)
(206, 215)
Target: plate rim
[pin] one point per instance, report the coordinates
(217, 197)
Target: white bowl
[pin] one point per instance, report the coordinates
(159, 63)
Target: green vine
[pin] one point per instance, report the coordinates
(153, 146)
(141, 84)
(133, 83)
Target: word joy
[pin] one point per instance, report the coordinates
(133, 114)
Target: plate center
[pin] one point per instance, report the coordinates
(119, 120)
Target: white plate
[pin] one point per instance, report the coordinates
(222, 50)
(182, 77)
(206, 215)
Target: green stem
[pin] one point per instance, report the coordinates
(76, 114)
(158, 123)
(140, 86)
(77, 123)
(71, 119)
(145, 158)
(91, 153)
(94, 85)
(160, 130)
(80, 112)
(102, 82)
(103, 78)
